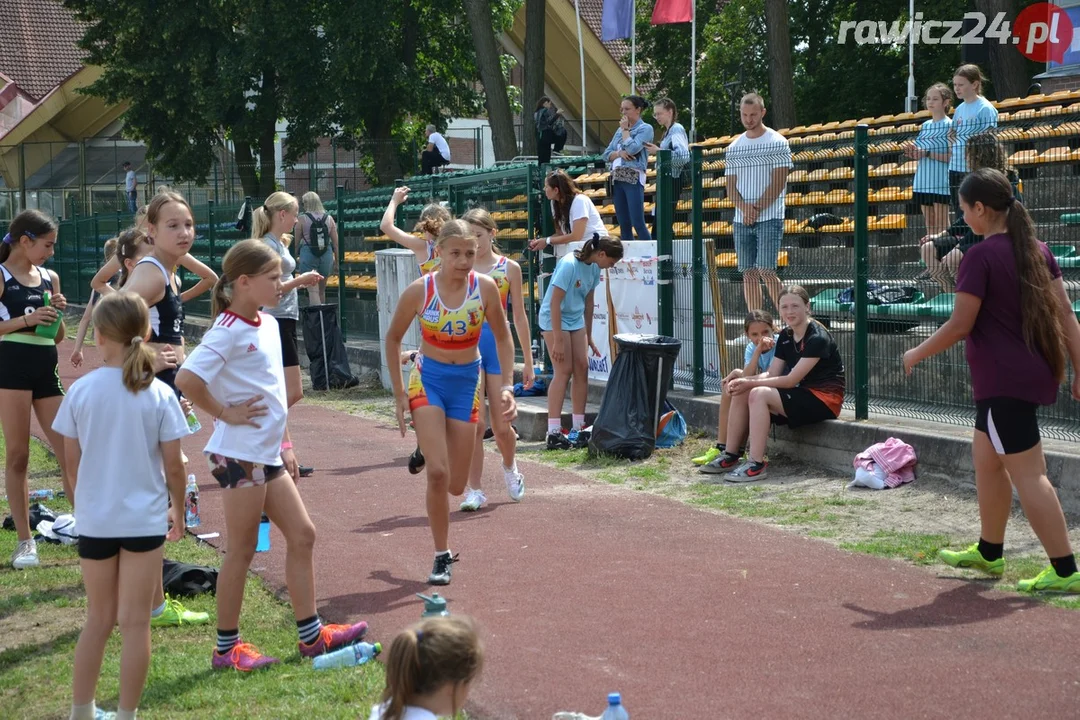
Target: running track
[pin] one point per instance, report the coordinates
(585, 588)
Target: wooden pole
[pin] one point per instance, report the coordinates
(613, 321)
(718, 308)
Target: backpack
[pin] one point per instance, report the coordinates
(319, 235)
(184, 580)
(558, 128)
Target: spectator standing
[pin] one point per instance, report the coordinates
(437, 152)
(318, 238)
(757, 165)
(675, 140)
(973, 115)
(629, 158)
(131, 188)
(931, 149)
(545, 129)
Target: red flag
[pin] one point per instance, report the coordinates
(672, 11)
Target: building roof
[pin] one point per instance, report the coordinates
(38, 45)
(592, 14)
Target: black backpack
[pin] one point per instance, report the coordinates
(319, 235)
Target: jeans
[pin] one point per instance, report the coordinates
(758, 245)
(630, 210)
(133, 201)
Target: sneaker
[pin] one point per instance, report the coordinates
(306, 471)
(25, 555)
(749, 471)
(175, 615)
(243, 657)
(332, 637)
(557, 441)
(515, 484)
(582, 439)
(100, 714)
(722, 464)
(972, 558)
(710, 455)
(440, 573)
(1049, 581)
(416, 461)
(572, 436)
(474, 499)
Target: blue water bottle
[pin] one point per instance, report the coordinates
(264, 535)
(348, 656)
(615, 709)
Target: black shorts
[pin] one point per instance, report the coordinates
(924, 199)
(955, 178)
(802, 407)
(1011, 424)
(290, 351)
(30, 367)
(233, 473)
(944, 245)
(92, 548)
(168, 376)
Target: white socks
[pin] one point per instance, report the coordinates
(579, 421)
(554, 424)
(83, 712)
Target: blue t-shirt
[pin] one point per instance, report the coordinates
(932, 176)
(969, 119)
(766, 358)
(577, 279)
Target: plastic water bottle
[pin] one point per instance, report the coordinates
(573, 716)
(193, 424)
(191, 502)
(264, 535)
(46, 494)
(615, 709)
(434, 606)
(50, 330)
(348, 656)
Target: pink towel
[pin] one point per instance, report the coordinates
(894, 456)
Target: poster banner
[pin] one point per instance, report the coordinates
(626, 300)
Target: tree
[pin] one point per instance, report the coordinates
(202, 71)
(479, 14)
(1009, 71)
(535, 64)
(781, 77)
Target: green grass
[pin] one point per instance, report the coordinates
(760, 501)
(42, 611)
(918, 548)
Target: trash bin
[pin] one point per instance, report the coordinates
(636, 391)
(329, 364)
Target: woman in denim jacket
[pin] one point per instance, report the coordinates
(629, 158)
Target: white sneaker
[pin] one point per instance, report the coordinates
(515, 484)
(474, 499)
(25, 555)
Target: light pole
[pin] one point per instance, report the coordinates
(912, 104)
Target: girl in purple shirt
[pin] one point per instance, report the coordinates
(1013, 310)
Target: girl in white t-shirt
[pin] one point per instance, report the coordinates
(576, 217)
(236, 374)
(123, 483)
(430, 670)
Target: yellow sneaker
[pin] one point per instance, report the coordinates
(1049, 581)
(710, 455)
(972, 558)
(175, 615)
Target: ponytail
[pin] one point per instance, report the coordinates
(127, 248)
(427, 656)
(124, 318)
(221, 296)
(612, 247)
(247, 257)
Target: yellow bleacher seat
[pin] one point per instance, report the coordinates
(907, 168)
(909, 128)
(827, 137)
(352, 257)
(884, 119)
(814, 198)
(793, 226)
(839, 197)
(1047, 111)
(713, 165)
(1025, 114)
(797, 176)
(714, 182)
(685, 205)
(816, 127)
(848, 225)
(782, 258)
(332, 281)
(865, 121)
(1041, 131)
(842, 173)
(793, 198)
(1003, 117)
(712, 203)
(904, 116)
(727, 260)
(831, 125)
(820, 174)
(1024, 157)
(1056, 154)
(846, 124)
(714, 228)
(888, 222)
(798, 129)
(1011, 133)
(803, 156)
(884, 170)
(1008, 102)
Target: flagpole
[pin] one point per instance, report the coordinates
(693, 67)
(581, 58)
(633, 48)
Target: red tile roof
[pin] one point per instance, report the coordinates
(38, 48)
(592, 14)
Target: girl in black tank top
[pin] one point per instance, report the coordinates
(167, 314)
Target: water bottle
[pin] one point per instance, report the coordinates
(191, 502)
(193, 424)
(264, 535)
(348, 656)
(46, 494)
(573, 716)
(434, 606)
(615, 709)
(50, 330)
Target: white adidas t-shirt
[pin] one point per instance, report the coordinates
(239, 359)
(120, 490)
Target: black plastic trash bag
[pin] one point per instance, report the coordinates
(325, 349)
(636, 391)
(187, 580)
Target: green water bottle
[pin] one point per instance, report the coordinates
(49, 331)
(434, 606)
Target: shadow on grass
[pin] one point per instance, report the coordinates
(15, 656)
(963, 605)
(18, 602)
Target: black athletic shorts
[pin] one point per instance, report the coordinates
(168, 376)
(1011, 424)
(955, 178)
(290, 351)
(923, 199)
(802, 407)
(92, 548)
(30, 367)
